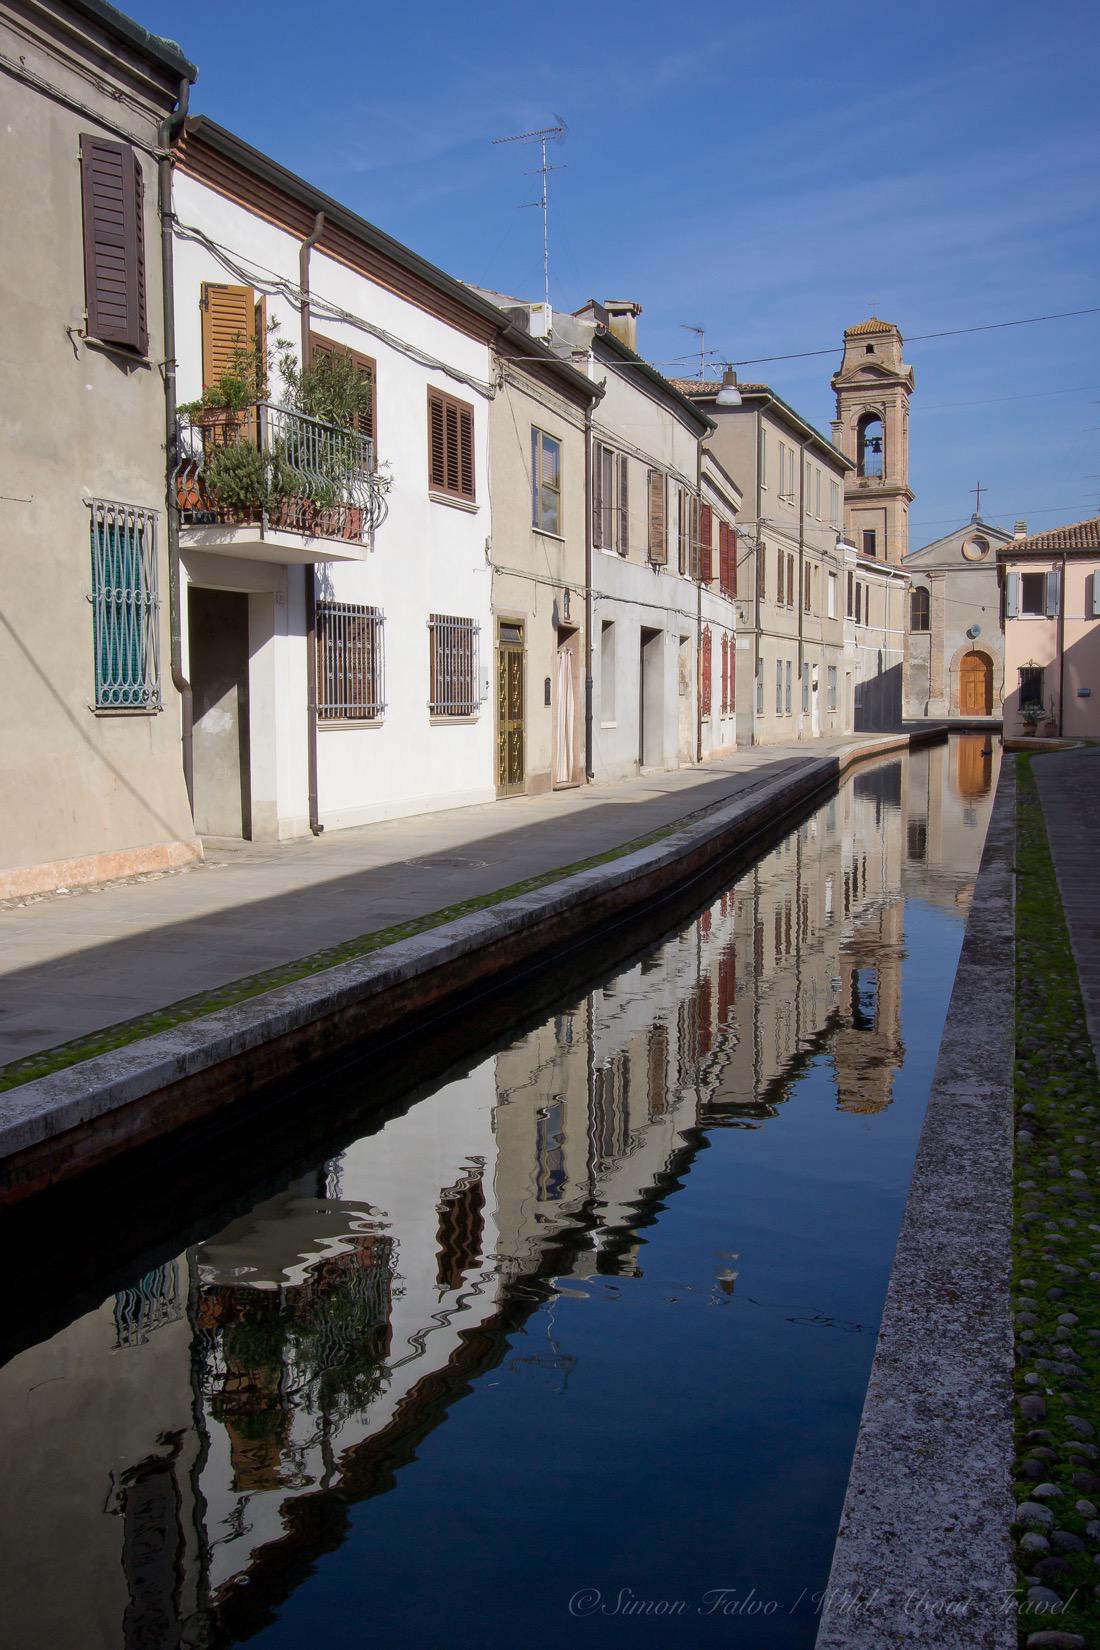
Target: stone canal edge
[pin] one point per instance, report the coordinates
(61, 1125)
(924, 1551)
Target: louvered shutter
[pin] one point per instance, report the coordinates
(706, 545)
(466, 451)
(597, 494)
(114, 243)
(733, 562)
(228, 325)
(658, 526)
(1012, 595)
(437, 443)
(624, 506)
(693, 541)
(1053, 593)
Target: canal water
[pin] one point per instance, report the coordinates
(569, 1347)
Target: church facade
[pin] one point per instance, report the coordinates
(956, 643)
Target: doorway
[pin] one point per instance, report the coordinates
(650, 698)
(511, 732)
(566, 666)
(976, 685)
(217, 622)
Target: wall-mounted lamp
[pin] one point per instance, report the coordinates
(729, 395)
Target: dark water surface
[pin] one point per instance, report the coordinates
(572, 1348)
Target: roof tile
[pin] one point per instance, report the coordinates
(1076, 535)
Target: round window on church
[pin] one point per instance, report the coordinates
(976, 548)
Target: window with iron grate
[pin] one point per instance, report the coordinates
(453, 679)
(350, 662)
(125, 607)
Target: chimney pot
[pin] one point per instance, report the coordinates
(1019, 531)
(622, 320)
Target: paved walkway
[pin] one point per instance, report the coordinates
(73, 964)
(1069, 788)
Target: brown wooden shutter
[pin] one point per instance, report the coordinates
(114, 243)
(466, 451)
(597, 494)
(624, 506)
(658, 525)
(364, 423)
(437, 442)
(706, 545)
(733, 561)
(228, 325)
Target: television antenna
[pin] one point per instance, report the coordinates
(702, 336)
(545, 135)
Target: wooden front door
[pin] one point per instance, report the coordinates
(976, 685)
(511, 766)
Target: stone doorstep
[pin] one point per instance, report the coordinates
(50, 1106)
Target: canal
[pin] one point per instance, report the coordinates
(566, 1346)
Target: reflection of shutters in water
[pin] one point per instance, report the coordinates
(657, 1069)
(549, 1151)
(461, 1223)
(608, 1127)
(727, 985)
(152, 1556)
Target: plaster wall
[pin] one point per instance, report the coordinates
(87, 422)
(1071, 681)
(427, 556)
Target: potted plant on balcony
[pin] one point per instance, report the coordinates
(334, 391)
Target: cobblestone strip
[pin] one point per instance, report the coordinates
(1057, 1260)
(924, 1552)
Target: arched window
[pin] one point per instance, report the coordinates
(870, 445)
(918, 608)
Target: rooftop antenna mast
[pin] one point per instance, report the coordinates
(702, 335)
(545, 135)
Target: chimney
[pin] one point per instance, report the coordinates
(1019, 531)
(622, 320)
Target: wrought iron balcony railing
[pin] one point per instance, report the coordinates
(284, 470)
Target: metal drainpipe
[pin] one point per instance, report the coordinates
(699, 608)
(589, 768)
(311, 571)
(756, 592)
(168, 133)
(1061, 647)
(801, 577)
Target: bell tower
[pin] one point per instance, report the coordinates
(872, 388)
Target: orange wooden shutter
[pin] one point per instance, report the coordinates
(228, 324)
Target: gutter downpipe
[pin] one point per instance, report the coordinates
(1062, 648)
(801, 583)
(311, 571)
(169, 130)
(753, 740)
(589, 764)
(699, 608)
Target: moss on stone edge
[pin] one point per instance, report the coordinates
(1056, 1249)
(63, 1055)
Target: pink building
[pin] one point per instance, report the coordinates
(1051, 590)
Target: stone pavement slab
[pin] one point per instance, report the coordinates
(1069, 789)
(74, 964)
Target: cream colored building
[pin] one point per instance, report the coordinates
(90, 742)
(789, 609)
(956, 641)
(876, 610)
(1052, 631)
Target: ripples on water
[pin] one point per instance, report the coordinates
(572, 1351)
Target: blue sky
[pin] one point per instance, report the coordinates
(768, 172)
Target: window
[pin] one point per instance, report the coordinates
(727, 559)
(790, 579)
(707, 673)
(1033, 593)
(788, 691)
(125, 607)
(365, 422)
(919, 608)
(831, 610)
(834, 504)
(607, 672)
(706, 544)
(806, 588)
(114, 243)
(1031, 685)
(450, 445)
(729, 666)
(779, 687)
(610, 500)
(349, 662)
(545, 482)
(452, 689)
(817, 494)
(830, 688)
(850, 606)
(870, 540)
(859, 602)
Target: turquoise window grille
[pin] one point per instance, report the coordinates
(125, 607)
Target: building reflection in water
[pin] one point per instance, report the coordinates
(204, 1433)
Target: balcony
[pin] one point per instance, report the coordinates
(274, 485)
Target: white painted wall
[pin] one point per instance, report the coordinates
(427, 556)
